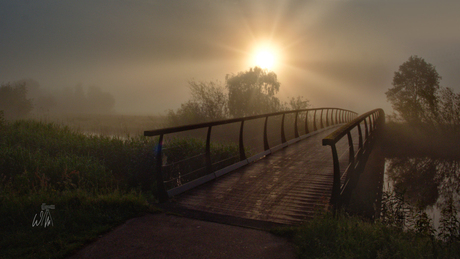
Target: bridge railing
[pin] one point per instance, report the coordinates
(326, 116)
(372, 122)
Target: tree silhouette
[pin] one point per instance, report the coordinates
(252, 92)
(208, 103)
(13, 100)
(414, 92)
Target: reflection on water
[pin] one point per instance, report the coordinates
(425, 185)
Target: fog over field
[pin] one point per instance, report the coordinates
(339, 53)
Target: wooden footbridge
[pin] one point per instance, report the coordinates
(287, 165)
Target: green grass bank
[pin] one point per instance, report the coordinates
(94, 182)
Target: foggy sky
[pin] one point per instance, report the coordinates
(333, 52)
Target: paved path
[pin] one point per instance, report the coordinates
(286, 187)
(167, 236)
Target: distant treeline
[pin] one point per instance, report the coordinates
(18, 99)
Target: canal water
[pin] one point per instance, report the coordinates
(420, 185)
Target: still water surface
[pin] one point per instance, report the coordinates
(427, 184)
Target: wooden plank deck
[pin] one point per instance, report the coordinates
(286, 187)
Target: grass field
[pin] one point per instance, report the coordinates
(351, 237)
(95, 182)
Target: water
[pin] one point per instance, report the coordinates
(427, 184)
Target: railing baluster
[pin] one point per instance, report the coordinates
(241, 142)
(327, 117)
(283, 137)
(314, 121)
(360, 136)
(351, 150)
(266, 146)
(208, 151)
(336, 184)
(162, 194)
(296, 131)
(366, 131)
(306, 123)
(371, 125)
(321, 120)
(335, 117)
(373, 118)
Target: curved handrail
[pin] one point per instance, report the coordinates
(345, 114)
(341, 116)
(373, 120)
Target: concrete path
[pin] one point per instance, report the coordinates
(167, 236)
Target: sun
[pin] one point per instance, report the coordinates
(264, 58)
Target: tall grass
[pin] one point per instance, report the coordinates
(351, 237)
(36, 155)
(95, 183)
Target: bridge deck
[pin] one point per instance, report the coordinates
(285, 187)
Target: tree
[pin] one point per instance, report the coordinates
(299, 103)
(449, 107)
(208, 103)
(414, 92)
(42, 100)
(252, 92)
(13, 100)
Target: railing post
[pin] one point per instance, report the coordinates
(373, 118)
(162, 194)
(360, 136)
(366, 131)
(336, 185)
(241, 145)
(208, 151)
(336, 116)
(306, 123)
(371, 125)
(283, 137)
(296, 131)
(351, 150)
(266, 146)
(314, 121)
(321, 120)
